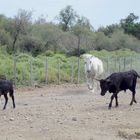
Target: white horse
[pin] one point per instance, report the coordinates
(93, 70)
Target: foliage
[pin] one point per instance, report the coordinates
(23, 35)
(67, 18)
(49, 53)
(130, 26)
(110, 29)
(36, 44)
(27, 65)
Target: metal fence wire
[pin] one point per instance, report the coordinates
(32, 72)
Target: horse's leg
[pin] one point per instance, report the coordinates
(90, 83)
(98, 84)
(87, 80)
(93, 85)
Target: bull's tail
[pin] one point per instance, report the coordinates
(137, 75)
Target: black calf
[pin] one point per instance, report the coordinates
(5, 87)
(120, 81)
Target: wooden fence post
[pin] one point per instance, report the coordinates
(119, 64)
(124, 63)
(107, 65)
(46, 71)
(14, 71)
(72, 73)
(131, 65)
(78, 70)
(58, 73)
(115, 64)
(31, 73)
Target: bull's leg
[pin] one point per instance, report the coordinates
(6, 100)
(12, 96)
(116, 97)
(110, 104)
(133, 98)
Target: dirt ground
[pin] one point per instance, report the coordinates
(68, 112)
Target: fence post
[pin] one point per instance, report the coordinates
(14, 71)
(31, 76)
(72, 73)
(131, 63)
(58, 72)
(124, 63)
(119, 64)
(46, 71)
(115, 63)
(78, 70)
(107, 65)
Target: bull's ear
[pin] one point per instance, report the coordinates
(102, 81)
(108, 82)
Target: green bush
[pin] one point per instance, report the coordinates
(26, 64)
(49, 53)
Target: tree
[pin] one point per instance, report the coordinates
(130, 25)
(20, 25)
(49, 34)
(31, 44)
(41, 20)
(5, 38)
(110, 29)
(84, 22)
(67, 18)
(130, 19)
(80, 31)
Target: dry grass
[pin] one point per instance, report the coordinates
(130, 133)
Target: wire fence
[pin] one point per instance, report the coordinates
(31, 72)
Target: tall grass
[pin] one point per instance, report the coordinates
(27, 65)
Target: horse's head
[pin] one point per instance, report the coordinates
(88, 64)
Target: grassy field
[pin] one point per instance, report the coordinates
(26, 70)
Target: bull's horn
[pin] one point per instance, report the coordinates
(97, 79)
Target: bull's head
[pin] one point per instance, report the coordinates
(104, 84)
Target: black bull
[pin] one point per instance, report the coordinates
(119, 81)
(5, 87)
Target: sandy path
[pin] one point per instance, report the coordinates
(67, 113)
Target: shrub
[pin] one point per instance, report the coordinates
(49, 53)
